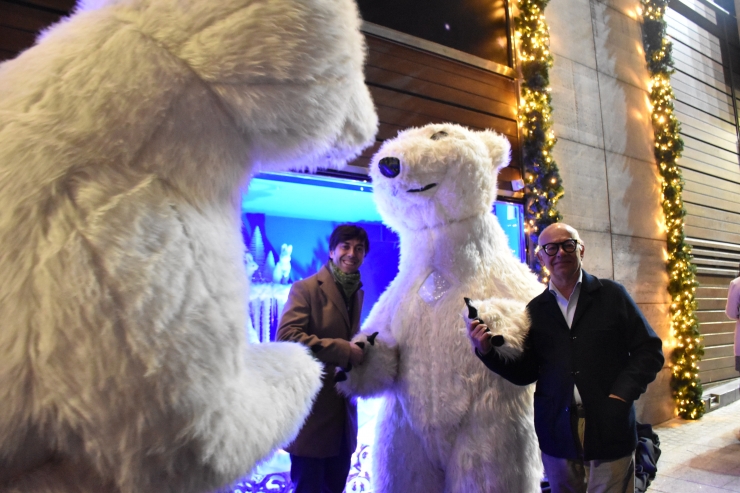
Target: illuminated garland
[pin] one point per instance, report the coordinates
(543, 186)
(687, 390)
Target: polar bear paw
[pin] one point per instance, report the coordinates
(378, 371)
(341, 374)
(509, 323)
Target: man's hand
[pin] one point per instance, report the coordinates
(356, 354)
(480, 336)
(613, 396)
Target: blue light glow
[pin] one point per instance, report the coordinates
(310, 197)
(511, 218)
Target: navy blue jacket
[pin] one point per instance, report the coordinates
(609, 349)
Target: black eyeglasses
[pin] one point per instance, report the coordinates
(568, 246)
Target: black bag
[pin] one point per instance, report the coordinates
(646, 457)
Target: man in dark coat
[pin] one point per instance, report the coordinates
(592, 354)
(323, 312)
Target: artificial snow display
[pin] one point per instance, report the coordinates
(269, 287)
(126, 134)
(257, 250)
(281, 272)
(448, 423)
(266, 302)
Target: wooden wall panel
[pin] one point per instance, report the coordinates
(25, 17)
(704, 86)
(719, 362)
(414, 110)
(436, 91)
(688, 33)
(14, 40)
(714, 219)
(698, 118)
(702, 9)
(688, 57)
(412, 87)
(64, 6)
(425, 67)
(21, 21)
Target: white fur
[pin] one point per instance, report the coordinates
(449, 424)
(125, 134)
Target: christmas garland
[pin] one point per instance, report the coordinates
(682, 284)
(543, 186)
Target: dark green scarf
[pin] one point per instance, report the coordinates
(349, 282)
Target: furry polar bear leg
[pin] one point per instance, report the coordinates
(376, 374)
(400, 463)
(276, 392)
(498, 456)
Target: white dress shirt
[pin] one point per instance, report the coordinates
(568, 308)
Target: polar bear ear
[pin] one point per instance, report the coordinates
(498, 147)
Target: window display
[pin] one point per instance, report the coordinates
(287, 219)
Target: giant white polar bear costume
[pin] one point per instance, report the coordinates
(125, 135)
(448, 423)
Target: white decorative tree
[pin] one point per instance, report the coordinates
(257, 248)
(268, 267)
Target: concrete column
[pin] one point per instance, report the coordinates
(605, 154)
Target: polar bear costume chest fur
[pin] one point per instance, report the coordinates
(448, 423)
(126, 135)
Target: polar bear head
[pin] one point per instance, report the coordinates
(437, 174)
(288, 72)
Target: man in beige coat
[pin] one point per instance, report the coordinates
(323, 312)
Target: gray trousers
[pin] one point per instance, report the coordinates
(595, 476)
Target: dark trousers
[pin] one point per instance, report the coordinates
(327, 475)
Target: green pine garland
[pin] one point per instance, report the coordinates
(543, 186)
(682, 284)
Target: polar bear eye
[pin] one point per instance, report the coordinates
(439, 135)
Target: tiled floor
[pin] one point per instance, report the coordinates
(700, 456)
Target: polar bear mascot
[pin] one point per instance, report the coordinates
(125, 136)
(448, 424)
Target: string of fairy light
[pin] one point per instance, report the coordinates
(682, 284)
(543, 186)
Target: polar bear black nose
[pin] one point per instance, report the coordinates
(390, 167)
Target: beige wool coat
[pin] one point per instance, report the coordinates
(315, 315)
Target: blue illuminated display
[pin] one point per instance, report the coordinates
(302, 210)
(511, 218)
(311, 197)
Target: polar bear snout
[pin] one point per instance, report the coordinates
(390, 167)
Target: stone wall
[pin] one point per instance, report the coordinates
(604, 151)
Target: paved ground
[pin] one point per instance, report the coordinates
(700, 456)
